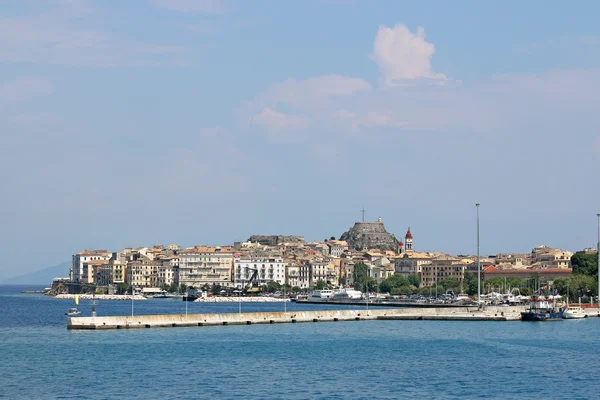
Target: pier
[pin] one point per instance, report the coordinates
(199, 320)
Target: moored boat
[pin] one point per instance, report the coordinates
(574, 312)
(321, 295)
(347, 294)
(543, 309)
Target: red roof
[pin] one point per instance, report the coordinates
(401, 244)
(408, 234)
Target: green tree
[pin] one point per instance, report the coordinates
(585, 264)
(394, 281)
(296, 289)
(414, 280)
(320, 285)
(183, 288)
(122, 288)
(360, 276)
(272, 287)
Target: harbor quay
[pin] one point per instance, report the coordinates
(512, 313)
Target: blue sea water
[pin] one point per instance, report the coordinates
(41, 359)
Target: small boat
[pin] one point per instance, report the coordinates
(543, 309)
(574, 312)
(192, 294)
(73, 311)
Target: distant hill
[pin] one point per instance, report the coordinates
(41, 277)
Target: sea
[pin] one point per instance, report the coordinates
(41, 359)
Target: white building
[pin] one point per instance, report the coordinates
(200, 266)
(269, 269)
(83, 257)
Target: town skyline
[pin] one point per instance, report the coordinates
(156, 121)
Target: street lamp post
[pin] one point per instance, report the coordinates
(598, 248)
(478, 263)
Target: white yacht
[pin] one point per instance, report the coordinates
(574, 312)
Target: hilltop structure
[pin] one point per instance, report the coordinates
(370, 235)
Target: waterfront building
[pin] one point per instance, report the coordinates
(268, 269)
(411, 263)
(200, 266)
(112, 272)
(442, 267)
(168, 273)
(322, 270)
(91, 271)
(82, 257)
(292, 275)
(143, 272)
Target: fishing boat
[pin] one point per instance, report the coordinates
(74, 310)
(542, 308)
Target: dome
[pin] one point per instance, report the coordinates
(408, 234)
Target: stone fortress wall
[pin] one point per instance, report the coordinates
(370, 235)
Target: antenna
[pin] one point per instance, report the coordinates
(363, 214)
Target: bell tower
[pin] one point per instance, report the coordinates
(408, 241)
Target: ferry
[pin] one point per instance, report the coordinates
(347, 294)
(543, 309)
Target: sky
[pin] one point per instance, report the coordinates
(126, 124)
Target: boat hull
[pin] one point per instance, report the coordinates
(535, 316)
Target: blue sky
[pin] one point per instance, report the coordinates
(205, 121)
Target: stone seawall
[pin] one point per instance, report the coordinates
(188, 320)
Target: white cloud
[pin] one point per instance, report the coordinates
(275, 121)
(312, 91)
(402, 55)
(23, 89)
(61, 36)
(194, 6)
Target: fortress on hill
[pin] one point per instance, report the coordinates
(372, 235)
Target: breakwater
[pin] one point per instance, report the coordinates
(197, 320)
(218, 299)
(100, 297)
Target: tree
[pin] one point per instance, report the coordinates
(183, 288)
(122, 288)
(414, 280)
(321, 284)
(332, 238)
(272, 287)
(393, 282)
(360, 276)
(585, 264)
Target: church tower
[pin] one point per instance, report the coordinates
(400, 247)
(408, 241)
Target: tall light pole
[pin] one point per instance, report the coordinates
(598, 248)
(478, 264)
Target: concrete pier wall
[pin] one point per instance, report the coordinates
(181, 320)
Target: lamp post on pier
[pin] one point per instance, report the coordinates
(478, 263)
(598, 249)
